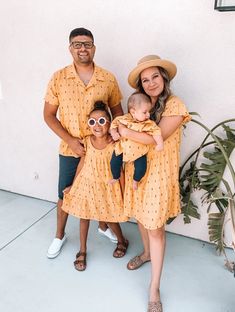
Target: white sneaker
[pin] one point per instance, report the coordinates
(108, 233)
(55, 247)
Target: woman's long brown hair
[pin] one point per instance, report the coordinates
(160, 104)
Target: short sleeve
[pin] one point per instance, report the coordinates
(126, 120)
(51, 94)
(175, 107)
(115, 96)
(114, 123)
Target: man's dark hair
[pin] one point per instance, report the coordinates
(80, 32)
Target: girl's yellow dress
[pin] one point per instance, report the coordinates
(157, 198)
(91, 197)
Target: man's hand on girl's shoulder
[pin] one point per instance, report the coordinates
(76, 146)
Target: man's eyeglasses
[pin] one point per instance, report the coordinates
(79, 44)
(101, 121)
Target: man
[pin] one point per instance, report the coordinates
(73, 91)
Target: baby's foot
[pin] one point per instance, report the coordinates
(135, 185)
(113, 181)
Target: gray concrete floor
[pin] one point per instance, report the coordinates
(194, 278)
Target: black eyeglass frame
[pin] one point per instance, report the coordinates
(86, 44)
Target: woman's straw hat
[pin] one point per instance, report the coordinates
(150, 61)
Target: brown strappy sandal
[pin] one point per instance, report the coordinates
(136, 263)
(80, 264)
(121, 249)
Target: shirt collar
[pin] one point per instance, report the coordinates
(98, 73)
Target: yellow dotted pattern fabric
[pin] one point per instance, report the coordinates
(157, 198)
(132, 150)
(76, 100)
(91, 197)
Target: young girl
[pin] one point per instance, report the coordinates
(90, 196)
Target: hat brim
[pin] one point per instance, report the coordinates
(167, 65)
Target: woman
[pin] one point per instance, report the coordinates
(157, 197)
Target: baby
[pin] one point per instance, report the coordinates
(137, 119)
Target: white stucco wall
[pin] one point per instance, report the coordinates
(34, 44)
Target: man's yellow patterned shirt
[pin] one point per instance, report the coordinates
(76, 100)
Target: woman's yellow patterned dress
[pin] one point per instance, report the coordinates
(157, 198)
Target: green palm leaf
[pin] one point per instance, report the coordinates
(215, 167)
(188, 182)
(215, 227)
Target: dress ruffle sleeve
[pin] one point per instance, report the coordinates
(175, 107)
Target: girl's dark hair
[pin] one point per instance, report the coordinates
(159, 106)
(101, 106)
